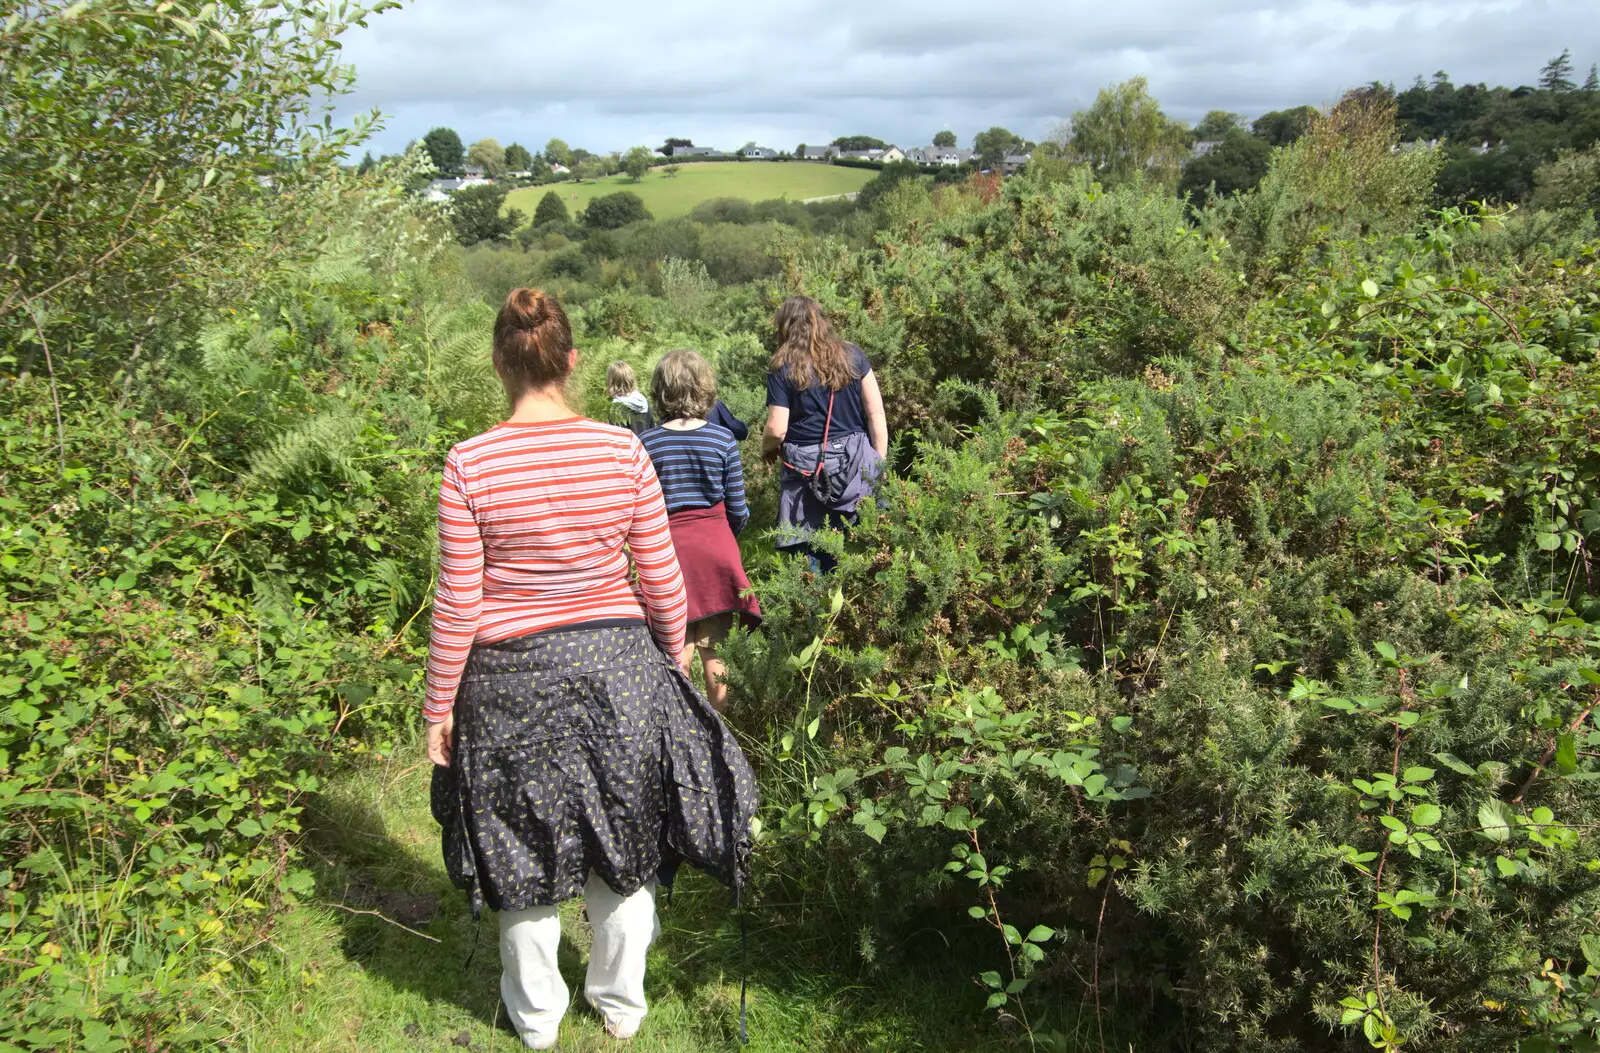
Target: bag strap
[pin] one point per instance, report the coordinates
(827, 423)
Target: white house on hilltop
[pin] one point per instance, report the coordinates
(441, 189)
(758, 153)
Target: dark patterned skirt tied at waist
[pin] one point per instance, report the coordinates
(713, 571)
(580, 750)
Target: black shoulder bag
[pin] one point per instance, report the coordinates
(827, 487)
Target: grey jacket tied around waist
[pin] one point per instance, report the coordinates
(587, 750)
(848, 456)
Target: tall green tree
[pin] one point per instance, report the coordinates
(1124, 134)
(1557, 73)
(444, 146)
(1591, 83)
(992, 146)
(517, 158)
(610, 211)
(477, 214)
(151, 168)
(551, 210)
(1216, 125)
(1282, 127)
(636, 162)
(367, 164)
(588, 168)
(859, 142)
(945, 138)
(1237, 164)
(557, 152)
(488, 155)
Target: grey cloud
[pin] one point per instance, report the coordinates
(608, 75)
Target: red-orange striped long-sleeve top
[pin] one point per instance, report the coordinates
(536, 526)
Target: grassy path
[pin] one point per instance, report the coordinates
(337, 980)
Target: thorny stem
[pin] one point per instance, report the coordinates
(1550, 753)
(55, 397)
(1099, 927)
(1377, 889)
(999, 926)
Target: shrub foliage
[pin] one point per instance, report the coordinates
(1219, 656)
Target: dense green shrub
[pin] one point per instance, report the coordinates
(212, 576)
(1319, 589)
(611, 211)
(1050, 286)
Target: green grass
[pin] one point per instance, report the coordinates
(334, 980)
(668, 196)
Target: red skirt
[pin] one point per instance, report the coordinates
(713, 573)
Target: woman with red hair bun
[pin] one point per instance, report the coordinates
(561, 728)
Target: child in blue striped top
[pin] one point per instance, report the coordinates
(702, 480)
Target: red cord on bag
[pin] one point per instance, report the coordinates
(826, 424)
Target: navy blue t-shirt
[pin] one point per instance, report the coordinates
(808, 409)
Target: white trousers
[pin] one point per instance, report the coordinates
(531, 985)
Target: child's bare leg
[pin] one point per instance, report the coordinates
(716, 689)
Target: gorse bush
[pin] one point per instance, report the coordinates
(1256, 671)
(1054, 284)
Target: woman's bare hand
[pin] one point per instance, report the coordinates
(441, 736)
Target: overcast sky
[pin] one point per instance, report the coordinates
(609, 74)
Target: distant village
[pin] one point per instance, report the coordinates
(676, 150)
(682, 150)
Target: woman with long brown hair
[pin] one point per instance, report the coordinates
(825, 422)
(559, 723)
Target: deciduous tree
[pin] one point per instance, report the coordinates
(637, 162)
(1282, 127)
(551, 210)
(517, 158)
(488, 155)
(945, 138)
(152, 168)
(859, 142)
(1236, 164)
(993, 145)
(444, 146)
(1216, 125)
(557, 152)
(476, 212)
(1124, 134)
(610, 211)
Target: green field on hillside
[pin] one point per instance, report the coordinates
(668, 196)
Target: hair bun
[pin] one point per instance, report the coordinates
(527, 308)
(532, 341)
